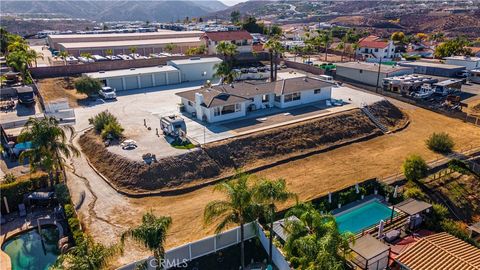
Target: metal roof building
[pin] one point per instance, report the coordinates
(432, 68)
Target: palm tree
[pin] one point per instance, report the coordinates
(33, 55)
(274, 47)
(227, 49)
(64, 55)
(314, 239)
(355, 47)
(132, 49)
(87, 255)
(152, 233)
(224, 71)
(49, 143)
(238, 208)
(325, 38)
(270, 192)
(345, 40)
(109, 52)
(18, 61)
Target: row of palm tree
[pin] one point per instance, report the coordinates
(275, 48)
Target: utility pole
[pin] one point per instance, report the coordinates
(378, 75)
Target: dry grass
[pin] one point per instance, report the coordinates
(53, 89)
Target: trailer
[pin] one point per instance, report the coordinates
(174, 126)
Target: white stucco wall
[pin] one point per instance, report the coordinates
(308, 97)
(211, 118)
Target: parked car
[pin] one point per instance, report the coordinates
(112, 57)
(107, 93)
(308, 62)
(85, 59)
(463, 74)
(124, 57)
(98, 58)
(25, 95)
(252, 70)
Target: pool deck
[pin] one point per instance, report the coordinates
(20, 224)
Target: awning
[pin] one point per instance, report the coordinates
(369, 247)
(475, 227)
(41, 195)
(279, 227)
(412, 206)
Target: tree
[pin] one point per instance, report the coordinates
(170, 47)
(415, 168)
(132, 49)
(437, 37)
(87, 255)
(250, 24)
(87, 85)
(107, 125)
(32, 56)
(440, 143)
(86, 55)
(273, 31)
(238, 208)
(109, 52)
(49, 143)
(18, 60)
(235, 16)
(398, 37)
(457, 46)
(325, 38)
(275, 48)
(63, 55)
(269, 192)
(224, 71)
(152, 233)
(314, 240)
(226, 49)
(421, 36)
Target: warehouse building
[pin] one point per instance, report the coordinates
(54, 40)
(143, 47)
(468, 62)
(194, 69)
(368, 73)
(432, 68)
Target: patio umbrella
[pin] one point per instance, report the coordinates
(380, 228)
(356, 188)
(395, 192)
(329, 197)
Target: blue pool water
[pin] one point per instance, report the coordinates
(362, 217)
(27, 252)
(23, 145)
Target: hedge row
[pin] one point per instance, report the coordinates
(73, 223)
(16, 191)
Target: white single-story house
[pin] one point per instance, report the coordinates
(177, 71)
(468, 62)
(226, 102)
(368, 73)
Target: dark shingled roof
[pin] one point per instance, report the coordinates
(228, 94)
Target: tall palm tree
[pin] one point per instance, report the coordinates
(32, 56)
(228, 50)
(224, 71)
(313, 239)
(109, 52)
(355, 47)
(152, 233)
(132, 49)
(63, 55)
(49, 143)
(269, 192)
(325, 38)
(275, 48)
(238, 208)
(87, 255)
(345, 40)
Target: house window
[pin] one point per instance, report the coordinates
(265, 98)
(317, 91)
(376, 50)
(361, 71)
(190, 103)
(228, 109)
(277, 98)
(386, 50)
(291, 97)
(216, 111)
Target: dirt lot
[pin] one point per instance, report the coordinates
(60, 88)
(106, 213)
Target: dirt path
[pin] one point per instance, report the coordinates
(309, 178)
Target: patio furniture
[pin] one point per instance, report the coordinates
(392, 235)
(22, 212)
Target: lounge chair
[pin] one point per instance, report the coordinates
(22, 212)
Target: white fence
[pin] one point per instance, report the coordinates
(277, 257)
(182, 254)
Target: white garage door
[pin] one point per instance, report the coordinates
(116, 83)
(146, 81)
(160, 79)
(131, 83)
(173, 78)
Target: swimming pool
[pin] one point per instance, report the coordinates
(363, 216)
(27, 252)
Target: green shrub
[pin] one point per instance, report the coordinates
(107, 125)
(440, 143)
(415, 193)
(112, 130)
(62, 194)
(15, 192)
(9, 178)
(73, 223)
(415, 168)
(87, 85)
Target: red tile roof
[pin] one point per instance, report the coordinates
(372, 42)
(440, 251)
(228, 35)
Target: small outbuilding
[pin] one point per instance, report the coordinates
(196, 68)
(369, 253)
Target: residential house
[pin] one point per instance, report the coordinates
(226, 102)
(241, 38)
(373, 47)
(439, 251)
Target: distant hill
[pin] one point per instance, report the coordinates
(113, 10)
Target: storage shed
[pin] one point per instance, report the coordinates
(135, 78)
(196, 68)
